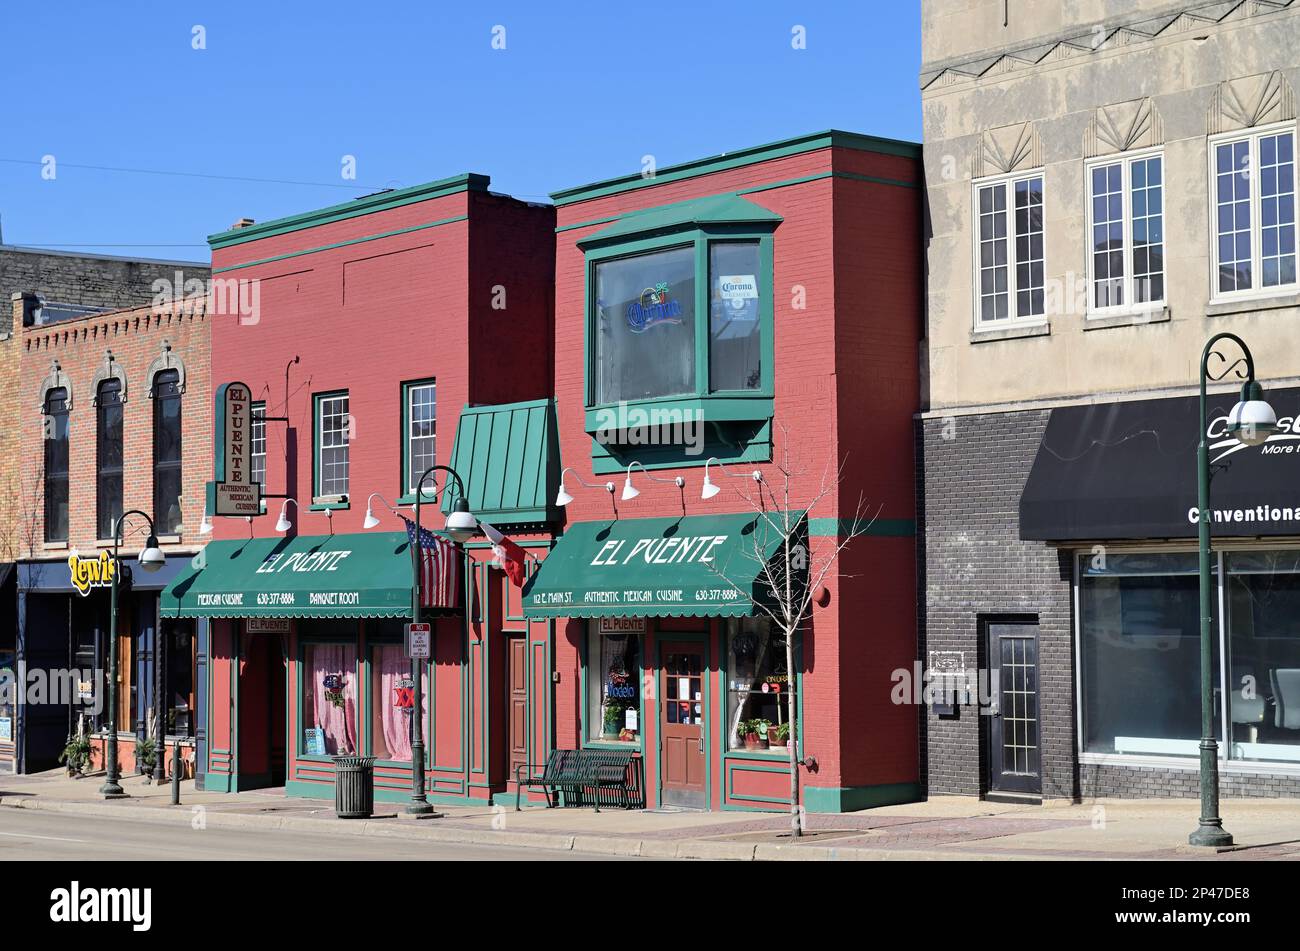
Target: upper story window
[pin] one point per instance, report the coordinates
(1009, 250)
(56, 465)
(108, 457)
(1253, 183)
(332, 439)
(167, 453)
(690, 320)
(257, 444)
(1126, 260)
(420, 431)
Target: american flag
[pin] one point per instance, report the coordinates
(439, 569)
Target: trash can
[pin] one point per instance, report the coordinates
(354, 787)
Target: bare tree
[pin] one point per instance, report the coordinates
(789, 581)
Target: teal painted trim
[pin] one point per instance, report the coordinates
(341, 244)
(722, 210)
(853, 798)
(831, 138)
(756, 449)
(882, 527)
(217, 782)
(370, 204)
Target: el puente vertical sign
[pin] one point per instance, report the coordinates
(232, 492)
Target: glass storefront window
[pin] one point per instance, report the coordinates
(8, 694)
(734, 324)
(645, 326)
(613, 685)
(1140, 654)
(392, 701)
(329, 699)
(180, 677)
(757, 679)
(1263, 639)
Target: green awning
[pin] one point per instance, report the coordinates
(357, 575)
(508, 456)
(696, 566)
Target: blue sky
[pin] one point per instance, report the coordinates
(415, 91)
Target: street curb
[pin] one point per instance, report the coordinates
(589, 844)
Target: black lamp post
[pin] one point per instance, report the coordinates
(150, 559)
(461, 526)
(1251, 422)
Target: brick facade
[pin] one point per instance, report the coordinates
(86, 279)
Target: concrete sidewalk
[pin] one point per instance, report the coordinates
(941, 828)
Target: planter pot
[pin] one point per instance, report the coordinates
(755, 742)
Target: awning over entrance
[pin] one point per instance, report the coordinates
(697, 566)
(307, 576)
(1128, 471)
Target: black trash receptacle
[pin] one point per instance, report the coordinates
(354, 787)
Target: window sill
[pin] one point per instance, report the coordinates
(169, 539)
(680, 431)
(987, 334)
(768, 755)
(612, 745)
(55, 546)
(1246, 305)
(330, 504)
(1102, 320)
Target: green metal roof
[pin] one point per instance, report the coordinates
(831, 138)
(368, 204)
(508, 457)
(355, 575)
(691, 566)
(729, 209)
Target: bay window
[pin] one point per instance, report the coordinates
(1009, 251)
(1254, 209)
(1126, 259)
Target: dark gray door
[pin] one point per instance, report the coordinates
(1014, 748)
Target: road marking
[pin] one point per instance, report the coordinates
(51, 838)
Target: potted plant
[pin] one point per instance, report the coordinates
(76, 755)
(778, 735)
(613, 721)
(146, 755)
(754, 733)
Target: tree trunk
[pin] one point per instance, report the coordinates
(796, 821)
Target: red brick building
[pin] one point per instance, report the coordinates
(773, 295)
(380, 327)
(114, 416)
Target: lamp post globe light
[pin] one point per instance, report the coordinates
(150, 559)
(1251, 421)
(461, 526)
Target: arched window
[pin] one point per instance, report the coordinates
(108, 457)
(167, 452)
(56, 464)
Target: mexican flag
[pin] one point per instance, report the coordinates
(508, 553)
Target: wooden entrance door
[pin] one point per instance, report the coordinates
(517, 700)
(684, 712)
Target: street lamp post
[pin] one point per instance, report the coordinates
(461, 526)
(150, 559)
(1251, 422)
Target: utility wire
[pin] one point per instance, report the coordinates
(224, 178)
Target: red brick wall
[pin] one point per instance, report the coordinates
(845, 383)
(136, 338)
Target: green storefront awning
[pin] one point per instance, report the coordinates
(696, 566)
(306, 576)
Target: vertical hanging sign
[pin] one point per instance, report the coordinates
(232, 492)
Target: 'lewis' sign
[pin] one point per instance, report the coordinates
(232, 492)
(91, 572)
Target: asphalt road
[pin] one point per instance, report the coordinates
(28, 834)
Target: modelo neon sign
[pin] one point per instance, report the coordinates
(653, 307)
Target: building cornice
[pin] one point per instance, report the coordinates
(1134, 30)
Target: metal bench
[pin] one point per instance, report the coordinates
(601, 777)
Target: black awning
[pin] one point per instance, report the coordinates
(1128, 471)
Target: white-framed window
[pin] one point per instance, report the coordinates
(1253, 209)
(257, 444)
(1009, 251)
(1126, 228)
(421, 431)
(332, 423)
